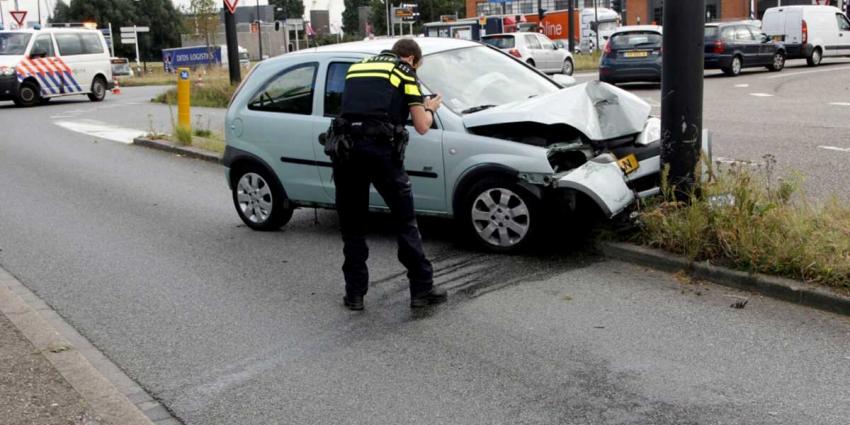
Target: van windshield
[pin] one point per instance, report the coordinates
(14, 43)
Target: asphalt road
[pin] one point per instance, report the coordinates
(142, 252)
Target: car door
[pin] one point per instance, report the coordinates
(279, 123)
(70, 60)
(747, 45)
(843, 44)
(42, 62)
(535, 50)
(553, 64)
(766, 46)
(423, 159)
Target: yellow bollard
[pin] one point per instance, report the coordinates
(183, 99)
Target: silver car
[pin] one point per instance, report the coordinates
(535, 49)
(510, 148)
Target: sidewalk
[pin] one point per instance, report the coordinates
(32, 392)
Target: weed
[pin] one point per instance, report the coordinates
(183, 136)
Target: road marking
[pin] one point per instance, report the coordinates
(840, 103)
(742, 85)
(102, 130)
(761, 94)
(834, 148)
(786, 75)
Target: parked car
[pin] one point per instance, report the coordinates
(509, 147)
(810, 32)
(121, 67)
(535, 49)
(37, 65)
(633, 53)
(734, 46)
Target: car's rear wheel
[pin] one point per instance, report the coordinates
(28, 95)
(260, 199)
(530, 62)
(501, 216)
(815, 58)
(778, 62)
(568, 67)
(98, 90)
(734, 68)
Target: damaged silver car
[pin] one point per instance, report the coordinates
(510, 149)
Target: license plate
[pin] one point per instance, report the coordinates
(629, 164)
(636, 54)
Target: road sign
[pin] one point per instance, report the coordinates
(184, 74)
(135, 29)
(231, 5)
(294, 21)
(19, 16)
(128, 40)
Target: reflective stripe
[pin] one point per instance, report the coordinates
(367, 74)
(403, 77)
(395, 81)
(379, 66)
(412, 90)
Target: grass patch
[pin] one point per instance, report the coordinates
(209, 94)
(587, 62)
(182, 136)
(156, 76)
(748, 220)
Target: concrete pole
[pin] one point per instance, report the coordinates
(682, 91)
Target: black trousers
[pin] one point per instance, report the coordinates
(375, 162)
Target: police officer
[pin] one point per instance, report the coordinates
(380, 93)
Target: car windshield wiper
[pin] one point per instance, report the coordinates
(476, 109)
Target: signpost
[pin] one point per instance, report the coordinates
(296, 24)
(130, 35)
(183, 99)
(19, 16)
(232, 43)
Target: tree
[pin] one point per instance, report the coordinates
(378, 17)
(206, 21)
(351, 16)
(164, 22)
(289, 9)
(61, 13)
(117, 12)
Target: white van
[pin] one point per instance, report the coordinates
(36, 65)
(811, 32)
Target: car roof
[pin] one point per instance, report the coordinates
(429, 45)
(504, 34)
(34, 31)
(630, 28)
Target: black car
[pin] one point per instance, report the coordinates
(735, 46)
(632, 54)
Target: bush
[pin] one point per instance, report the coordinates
(746, 220)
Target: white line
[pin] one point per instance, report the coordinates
(833, 148)
(761, 94)
(102, 130)
(840, 103)
(742, 85)
(786, 75)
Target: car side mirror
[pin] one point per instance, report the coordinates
(765, 38)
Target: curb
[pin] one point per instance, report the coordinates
(187, 151)
(112, 395)
(776, 287)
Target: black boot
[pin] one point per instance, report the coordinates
(353, 302)
(432, 297)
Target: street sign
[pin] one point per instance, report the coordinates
(231, 5)
(294, 21)
(19, 16)
(128, 40)
(135, 29)
(184, 74)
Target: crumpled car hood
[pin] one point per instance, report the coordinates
(600, 111)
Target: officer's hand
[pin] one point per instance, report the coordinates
(433, 103)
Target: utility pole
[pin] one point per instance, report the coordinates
(682, 92)
(38, 6)
(596, 22)
(571, 10)
(232, 46)
(389, 25)
(259, 31)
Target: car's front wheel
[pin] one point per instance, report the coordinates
(260, 199)
(28, 95)
(500, 215)
(778, 62)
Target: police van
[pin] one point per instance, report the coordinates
(37, 65)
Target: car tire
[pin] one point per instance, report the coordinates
(530, 62)
(815, 58)
(28, 95)
(500, 215)
(778, 62)
(259, 199)
(98, 90)
(735, 67)
(568, 68)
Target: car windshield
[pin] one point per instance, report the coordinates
(606, 26)
(14, 43)
(500, 41)
(637, 39)
(474, 78)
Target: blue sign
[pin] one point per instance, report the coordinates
(190, 57)
(184, 75)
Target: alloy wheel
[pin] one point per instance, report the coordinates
(736, 65)
(254, 197)
(500, 217)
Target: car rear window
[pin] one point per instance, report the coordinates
(501, 42)
(637, 39)
(711, 32)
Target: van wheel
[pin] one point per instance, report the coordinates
(98, 90)
(734, 68)
(28, 95)
(815, 58)
(260, 199)
(778, 62)
(501, 216)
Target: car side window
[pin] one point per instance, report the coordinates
(546, 43)
(743, 34)
(91, 44)
(728, 33)
(334, 85)
(288, 92)
(43, 44)
(531, 42)
(843, 24)
(69, 44)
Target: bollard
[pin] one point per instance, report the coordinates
(183, 99)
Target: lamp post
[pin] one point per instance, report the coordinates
(259, 31)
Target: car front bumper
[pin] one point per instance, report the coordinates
(8, 88)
